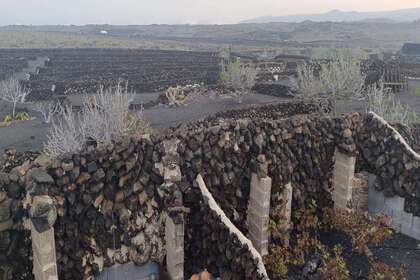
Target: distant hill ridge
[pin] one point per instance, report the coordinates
(337, 15)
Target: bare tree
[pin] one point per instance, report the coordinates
(47, 109)
(11, 91)
(240, 77)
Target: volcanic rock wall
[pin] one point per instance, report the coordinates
(234, 256)
(272, 111)
(298, 150)
(386, 154)
(15, 243)
(109, 205)
(111, 199)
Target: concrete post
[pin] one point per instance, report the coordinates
(43, 216)
(174, 235)
(286, 211)
(174, 225)
(259, 212)
(403, 222)
(343, 180)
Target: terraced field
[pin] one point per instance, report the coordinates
(13, 61)
(80, 71)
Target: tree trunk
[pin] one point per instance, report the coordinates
(14, 110)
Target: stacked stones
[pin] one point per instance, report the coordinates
(299, 150)
(273, 111)
(108, 204)
(385, 154)
(15, 244)
(216, 245)
(274, 89)
(111, 199)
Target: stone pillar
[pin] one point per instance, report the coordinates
(43, 215)
(259, 212)
(343, 180)
(286, 211)
(174, 226)
(174, 235)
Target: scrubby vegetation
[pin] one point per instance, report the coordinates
(11, 91)
(104, 117)
(308, 255)
(47, 108)
(384, 103)
(240, 78)
(338, 77)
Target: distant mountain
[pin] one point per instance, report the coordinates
(337, 15)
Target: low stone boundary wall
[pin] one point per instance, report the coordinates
(223, 249)
(386, 154)
(112, 199)
(393, 207)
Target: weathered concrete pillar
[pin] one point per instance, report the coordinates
(259, 212)
(174, 235)
(343, 180)
(286, 211)
(403, 222)
(174, 226)
(43, 215)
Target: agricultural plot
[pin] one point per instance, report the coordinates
(83, 71)
(13, 61)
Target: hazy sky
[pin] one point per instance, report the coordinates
(174, 11)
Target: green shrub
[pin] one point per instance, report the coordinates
(417, 93)
(7, 119)
(23, 117)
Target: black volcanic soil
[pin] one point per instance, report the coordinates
(400, 250)
(31, 135)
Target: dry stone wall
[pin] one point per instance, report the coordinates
(112, 199)
(298, 150)
(219, 246)
(385, 153)
(15, 243)
(109, 203)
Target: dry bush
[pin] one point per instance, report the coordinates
(383, 102)
(335, 266)
(47, 108)
(104, 117)
(240, 77)
(12, 91)
(381, 271)
(308, 84)
(338, 78)
(364, 230)
(64, 136)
